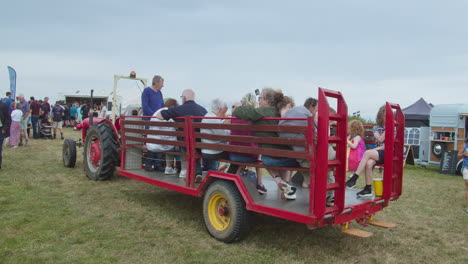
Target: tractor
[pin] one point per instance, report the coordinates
(100, 140)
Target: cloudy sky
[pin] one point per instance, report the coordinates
(371, 51)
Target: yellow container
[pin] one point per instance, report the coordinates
(378, 187)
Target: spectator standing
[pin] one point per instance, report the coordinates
(8, 101)
(151, 101)
(24, 121)
(103, 111)
(35, 109)
(73, 115)
(79, 117)
(66, 115)
(5, 121)
(57, 114)
(15, 129)
(45, 109)
(84, 111)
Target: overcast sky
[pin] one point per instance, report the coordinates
(371, 51)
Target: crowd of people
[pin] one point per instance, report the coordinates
(18, 116)
(249, 110)
(22, 120)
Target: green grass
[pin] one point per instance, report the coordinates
(52, 214)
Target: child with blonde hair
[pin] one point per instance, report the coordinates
(356, 144)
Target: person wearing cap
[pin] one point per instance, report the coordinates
(24, 120)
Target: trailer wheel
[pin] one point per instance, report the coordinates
(226, 218)
(100, 152)
(69, 153)
(437, 149)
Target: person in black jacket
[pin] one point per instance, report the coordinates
(5, 121)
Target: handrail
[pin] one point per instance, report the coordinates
(317, 201)
(392, 178)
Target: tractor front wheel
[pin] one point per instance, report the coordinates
(226, 217)
(69, 153)
(100, 152)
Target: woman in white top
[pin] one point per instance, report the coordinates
(218, 109)
(15, 128)
(170, 166)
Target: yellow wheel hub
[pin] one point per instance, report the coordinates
(218, 212)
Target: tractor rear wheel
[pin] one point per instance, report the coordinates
(226, 217)
(69, 153)
(100, 152)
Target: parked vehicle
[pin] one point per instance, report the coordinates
(448, 131)
(228, 198)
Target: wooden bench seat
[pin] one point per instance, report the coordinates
(259, 164)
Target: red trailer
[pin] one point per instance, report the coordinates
(227, 198)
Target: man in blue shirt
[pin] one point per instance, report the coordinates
(188, 108)
(7, 100)
(152, 98)
(151, 101)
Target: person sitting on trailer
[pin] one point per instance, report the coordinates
(271, 103)
(371, 157)
(218, 109)
(309, 109)
(152, 147)
(188, 108)
(248, 100)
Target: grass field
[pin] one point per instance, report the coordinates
(52, 214)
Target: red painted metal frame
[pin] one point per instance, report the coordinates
(318, 213)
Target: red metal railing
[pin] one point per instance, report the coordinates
(393, 172)
(317, 206)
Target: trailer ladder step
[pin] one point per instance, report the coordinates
(357, 233)
(382, 224)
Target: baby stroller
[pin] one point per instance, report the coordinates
(45, 128)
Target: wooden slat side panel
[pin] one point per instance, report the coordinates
(251, 139)
(155, 132)
(253, 150)
(158, 141)
(153, 123)
(262, 128)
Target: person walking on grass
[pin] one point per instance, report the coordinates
(5, 121)
(35, 109)
(24, 120)
(15, 127)
(464, 154)
(57, 118)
